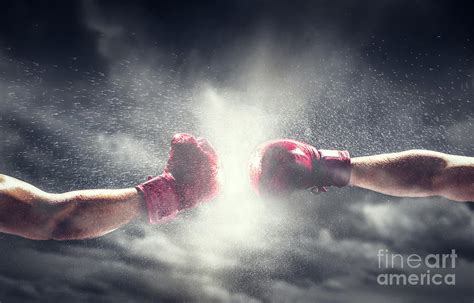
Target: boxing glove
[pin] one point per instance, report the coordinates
(190, 177)
(283, 166)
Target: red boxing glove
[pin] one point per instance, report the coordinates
(190, 177)
(282, 166)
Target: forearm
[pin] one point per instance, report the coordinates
(416, 173)
(29, 212)
(93, 213)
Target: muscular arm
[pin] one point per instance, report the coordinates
(416, 173)
(32, 213)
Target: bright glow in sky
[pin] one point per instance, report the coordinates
(235, 220)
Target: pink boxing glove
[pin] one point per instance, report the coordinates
(190, 177)
(282, 166)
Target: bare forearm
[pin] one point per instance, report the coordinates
(93, 213)
(29, 212)
(398, 174)
(416, 173)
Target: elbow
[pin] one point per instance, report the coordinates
(65, 229)
(455, 183)
(428, 169)
(72, 229)
(38, 221)
(60, 234)
(61, 224)
(66, 222)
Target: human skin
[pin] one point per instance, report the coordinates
(190, 177)
(32, 213)
(416, 173)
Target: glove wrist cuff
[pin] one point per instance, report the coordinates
(161, 198)
(337, 165)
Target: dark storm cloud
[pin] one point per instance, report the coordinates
(91, 93)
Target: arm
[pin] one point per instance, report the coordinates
(416, 173)
(31, 213)
(190, 177)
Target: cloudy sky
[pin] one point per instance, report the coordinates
(92, 91)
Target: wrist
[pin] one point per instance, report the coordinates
(337, 167)
(360, 172)
(160, 198)
(142, 210)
